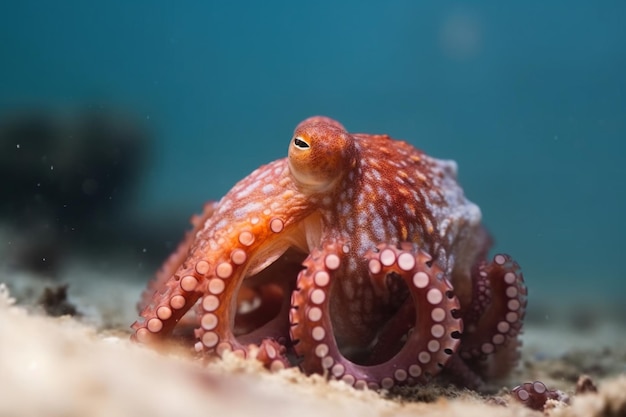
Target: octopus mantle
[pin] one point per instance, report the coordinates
(357, 256)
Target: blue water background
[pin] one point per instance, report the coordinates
(528, 97)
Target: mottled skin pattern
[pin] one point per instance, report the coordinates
(358, 255)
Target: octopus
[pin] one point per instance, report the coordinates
(357, 257)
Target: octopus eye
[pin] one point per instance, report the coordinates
(299, 143)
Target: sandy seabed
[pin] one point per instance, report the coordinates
(86, 366)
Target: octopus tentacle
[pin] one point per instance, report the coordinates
(534, 395)
(272, 354)
(172, 294)
(269, 320)
(175, 298)
(217, 279)
(219, 306)
(390, 338)
(480, 297)
(494, 318)
(257, 306)
(461, 374)
(434, 337)
(263, 301)
(175, 260)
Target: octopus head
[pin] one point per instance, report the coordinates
(320, 154)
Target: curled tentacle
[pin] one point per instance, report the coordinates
(169, 304)
(261, 332)
(218, 279)
(534, 395)
(494, 318)
(272, 354)
(429, 344)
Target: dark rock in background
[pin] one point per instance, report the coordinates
(66, 179)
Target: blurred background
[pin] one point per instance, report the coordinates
(119, 119)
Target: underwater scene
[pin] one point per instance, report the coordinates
(269, 208)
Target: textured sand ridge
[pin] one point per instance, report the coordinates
(67, 366)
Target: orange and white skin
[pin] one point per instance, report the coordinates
(357, 254)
